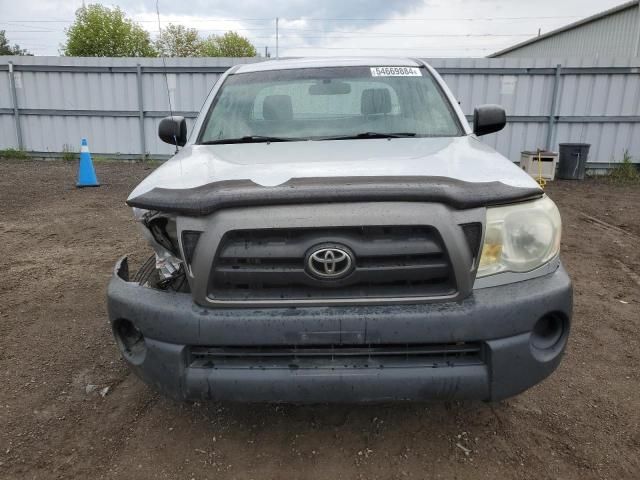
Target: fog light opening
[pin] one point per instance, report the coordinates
(548, 332)
(130, 340)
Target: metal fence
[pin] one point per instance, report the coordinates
(48, 103)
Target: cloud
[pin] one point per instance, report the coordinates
(303, 23)
(425, 28)
(302, 9)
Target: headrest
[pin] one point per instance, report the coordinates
(277, 107)
(375, 101)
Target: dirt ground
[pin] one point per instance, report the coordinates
(59, 245)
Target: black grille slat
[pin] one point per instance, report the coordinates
(297, 249)
(390, 261)
(255, 277)
(435, 270)
(282, 276)
(333, 351)
(401, 260)
(331, 356)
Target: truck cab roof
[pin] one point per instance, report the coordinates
(323, 62)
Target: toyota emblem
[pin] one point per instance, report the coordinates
(330, 263)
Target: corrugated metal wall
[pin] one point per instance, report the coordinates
(610, 36)
(597, 102)
(61, 100)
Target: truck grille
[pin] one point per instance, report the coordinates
(337, 356)
(389, 262)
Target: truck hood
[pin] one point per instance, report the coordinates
(270, 164)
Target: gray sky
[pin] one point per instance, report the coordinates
(421, 28)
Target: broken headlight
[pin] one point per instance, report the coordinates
(161, 233)
(521, 237)
(163, 230)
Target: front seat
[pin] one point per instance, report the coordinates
(375, 101)
(277, 107)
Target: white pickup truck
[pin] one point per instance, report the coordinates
(334, 231)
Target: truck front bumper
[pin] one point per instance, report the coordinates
(495, 344)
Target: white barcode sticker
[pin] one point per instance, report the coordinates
(395, 72)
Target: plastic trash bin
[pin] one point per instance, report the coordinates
(573, 160)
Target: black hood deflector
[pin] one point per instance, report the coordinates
(206, 199)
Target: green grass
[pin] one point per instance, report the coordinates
(147, 161)
(13, 153)
(625, 172)
(68, 154)
(154, 163)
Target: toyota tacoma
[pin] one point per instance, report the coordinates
(333, 230)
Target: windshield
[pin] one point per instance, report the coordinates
(329, 103)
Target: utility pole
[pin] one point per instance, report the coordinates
(637, 49)
(277, 51)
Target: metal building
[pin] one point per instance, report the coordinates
(612, 33)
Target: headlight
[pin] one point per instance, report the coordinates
(163, 231)
(520, 237)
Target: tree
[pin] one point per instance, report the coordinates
(7, 49)
(178, 41)
(228, 45)
(100, 31)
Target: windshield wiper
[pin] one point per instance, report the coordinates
(371, 135)
(250, 139)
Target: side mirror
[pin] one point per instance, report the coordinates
(488, 119)
(173, 130)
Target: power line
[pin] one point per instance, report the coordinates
(310, 47)
(336, 34)
(342, 34)
(264, 19)
(24, 25)
(32, 31)
(330, 36)
(331, 31)
(436, 19)
(329, 19)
